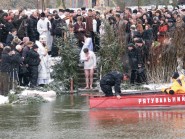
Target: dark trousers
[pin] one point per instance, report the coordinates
(24, 79)
(33, 75)
(133, 76)
(107, 89)
(5, 84)
(97, 42)
(138, 77)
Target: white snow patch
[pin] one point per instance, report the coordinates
(157, 86)
(3, 100)
(49, 95)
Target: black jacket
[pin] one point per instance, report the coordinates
(142, 54)
(32, 58)
(6, 61)
(9, 39)
(113, 78)
(148, 35)
(57, 26)
(133, 59)
(16, 60)
(32, 29)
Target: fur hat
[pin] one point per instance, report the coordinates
(16, 41)
(42, 14)
(83, 8)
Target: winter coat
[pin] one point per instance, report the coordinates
(9, 27)
(79, 34)
(133, 59)
(32, 58)
(155, 30)
(9, 39)
(178, 86)
(57, 26)
(142, 54)
(32, 29)
(113, 78)
(6, 61)
(89, 24)
(163, 29)
(148, 35)
(25, 51)
(23, 29)
(16, 60)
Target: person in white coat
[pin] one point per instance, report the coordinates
(89, 59)
(44, 66)
(88, 42)
(44, 27)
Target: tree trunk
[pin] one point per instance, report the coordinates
(63, 4)
(175, 3)
(157, 4)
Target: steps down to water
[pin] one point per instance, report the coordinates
(81, 80)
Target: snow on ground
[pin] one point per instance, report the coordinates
(157, 86)
(3, 100)
(48, 96)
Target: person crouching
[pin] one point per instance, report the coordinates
(111, 79)
(178, 85)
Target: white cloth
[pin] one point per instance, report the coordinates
(43, 27)
(91, 62)
(88, 44)
(44, 66)
(94, 26)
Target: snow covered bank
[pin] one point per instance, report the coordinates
(48, 96)
(3, 100)
(157, 86)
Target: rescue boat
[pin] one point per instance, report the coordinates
(139, 100)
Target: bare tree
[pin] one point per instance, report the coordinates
(63, 4)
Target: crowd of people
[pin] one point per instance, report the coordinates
(27, 41)
(142, 27)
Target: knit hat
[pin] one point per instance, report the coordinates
(139, 41)
(175, 75)
(42, 14)
(130, 45)
(35, 46)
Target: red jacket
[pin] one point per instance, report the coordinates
(163, 29)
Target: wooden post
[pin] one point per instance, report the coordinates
(138, 4)
(37, 5)
(71, 86)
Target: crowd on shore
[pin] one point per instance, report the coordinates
(26, 41)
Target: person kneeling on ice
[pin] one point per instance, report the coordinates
(178, 85)
(111, 79)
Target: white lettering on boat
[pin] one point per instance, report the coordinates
(161, 100)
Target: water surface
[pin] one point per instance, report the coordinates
(70, 118)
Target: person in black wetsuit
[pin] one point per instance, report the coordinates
(111, 79)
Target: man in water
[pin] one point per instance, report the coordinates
(111, 79)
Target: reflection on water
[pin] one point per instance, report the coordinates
(70, 118)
